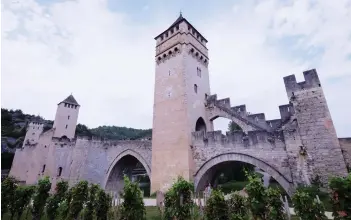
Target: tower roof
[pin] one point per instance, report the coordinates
(70, 100)
(179, 20)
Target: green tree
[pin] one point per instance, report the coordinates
(8, 189)
(23, 195)
(275, 205)
(256, 196)
(132, 207)
(306, 206)
(178, 200)
(237, 207)
(92, 202)
(341, 197)
(216, 206)
(40, 197)
(56, 199)
(232, 126)
(79, 197)
(103, 205)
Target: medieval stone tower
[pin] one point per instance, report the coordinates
(66, 118)
(181, 87)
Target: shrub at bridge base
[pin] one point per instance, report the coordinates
(256, 196)
(40, 197)
(216, 206)
(132, 207)
(237, 207)
(56, 199)
(8, 188)
(79, 197)
(23, 195)
(341, 197)
(275, 205)
(178, 200)
(306, 206)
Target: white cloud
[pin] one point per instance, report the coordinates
(108, 62)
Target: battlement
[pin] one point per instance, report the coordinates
(224, 102)
(311, 81)
(257, 120)
(36, 125)
(286, 111)
(240, 109)
(237, 138)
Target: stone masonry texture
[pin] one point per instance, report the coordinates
(293, 149)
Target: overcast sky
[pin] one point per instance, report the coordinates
(103, 52)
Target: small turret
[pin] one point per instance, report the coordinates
(66, 118)
(35, 128)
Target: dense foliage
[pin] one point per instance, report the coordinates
(79, 197)
(132, 207)
(275, 205)
(62, 204)
(341, 197)
(8, 189)
(55, 200)
(216, 206)
(178, 200)
(40, 197)
(92, 202)
(237, 207)
(103, 204)
(256, 196)
(306, 205)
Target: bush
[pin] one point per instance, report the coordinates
(306, 206)
(256, 196)
(40, 197)
(8, 195)
(79, 197)
(216, 206)
(92, 202)
(275, 205)
(23, 195)
(132, 207)
(341, 197)
(56, 199)
(237, 207)
(178, 200)
(103, 204)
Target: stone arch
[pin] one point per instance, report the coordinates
(200, 175)
(122, 155)
(200, 125)
(245, 127)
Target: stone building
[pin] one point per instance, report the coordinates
(293, 149)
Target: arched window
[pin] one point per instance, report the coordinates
(200, 125)
(195, 88)
(43, 168)
(59, 171)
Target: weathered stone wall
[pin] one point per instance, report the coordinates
(80, 159)
(257, 148)
(345, 144)
(315, 126)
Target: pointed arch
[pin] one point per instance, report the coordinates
(200, 175)
(200, 125)
(122, 155)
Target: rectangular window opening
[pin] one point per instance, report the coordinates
(43, 168)
(66, 126)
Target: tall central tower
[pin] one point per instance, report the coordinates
(181, 87)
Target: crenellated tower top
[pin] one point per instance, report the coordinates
(181, 33)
